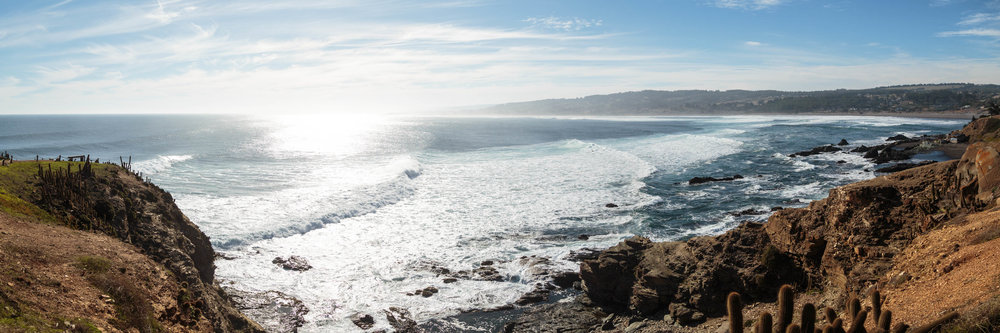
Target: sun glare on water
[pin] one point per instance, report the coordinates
(339, 136)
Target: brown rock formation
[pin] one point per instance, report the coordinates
(841, 244)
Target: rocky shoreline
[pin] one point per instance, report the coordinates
(846, 244)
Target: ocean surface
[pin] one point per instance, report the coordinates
(373, 203)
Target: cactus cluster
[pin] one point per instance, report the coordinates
(881, 320)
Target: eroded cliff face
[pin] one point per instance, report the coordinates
(120, 204)
(841, 245)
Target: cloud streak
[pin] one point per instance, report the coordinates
(748, 4)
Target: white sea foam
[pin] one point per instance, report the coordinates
(807, 192)
(159, 164)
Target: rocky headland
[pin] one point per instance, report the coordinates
(90, 247)
(924, 235)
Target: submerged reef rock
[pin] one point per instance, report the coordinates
(817, 150)
(702, 180)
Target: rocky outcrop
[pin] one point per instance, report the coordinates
(702, 180)
(120, 204)
(292, 263)
(839, 245)
(817, 150)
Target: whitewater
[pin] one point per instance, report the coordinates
(377, 204)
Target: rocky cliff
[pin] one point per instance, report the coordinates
(839, 246)
(111, 200)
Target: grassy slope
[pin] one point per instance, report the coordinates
(42, 258)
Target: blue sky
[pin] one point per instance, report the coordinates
(253, 56)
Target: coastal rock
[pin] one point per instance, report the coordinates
(843, 142)
(897, 137)
(363, 321)
(611, 205)
(702, 180)
(684, 274)
(902, 166)
(276, 311)
(539, 294)
(889, 154)
(569, 317)
(748, 211)
(292, 263)
(401, 320)
(817, 150)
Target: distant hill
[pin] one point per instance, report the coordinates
(906, 98)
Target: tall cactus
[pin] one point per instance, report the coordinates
(858, 324)
(765, 323)
(885, 320)
(853, 307)
(793, 328)
(786, 302)
(808, 317)
(735, 306)
(876, 299)
(830, 316)
(838, 325)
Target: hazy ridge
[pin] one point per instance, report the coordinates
(898, 99)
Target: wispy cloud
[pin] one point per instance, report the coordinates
(979, 18)
(752, 43)
(565, 24)
(748, 4)
(971, 32)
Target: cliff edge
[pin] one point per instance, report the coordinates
(94, 246)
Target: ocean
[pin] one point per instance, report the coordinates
(378, 204)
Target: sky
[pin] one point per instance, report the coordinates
(399, 56)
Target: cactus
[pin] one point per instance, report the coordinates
(885, 321)
(764, 323)
(935, 324)
(900, 328)
(794, 328)
(853, 307)
(838, 325)
(827, 328)
(830, 316)
(808, 317)
(876, 299)
(735, 307)
(786, 300)
(858, 324)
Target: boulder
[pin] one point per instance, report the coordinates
(897, 137)
(363, 321)
(843, 142)
(817, 150)
(292, 263)
(401, 320)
